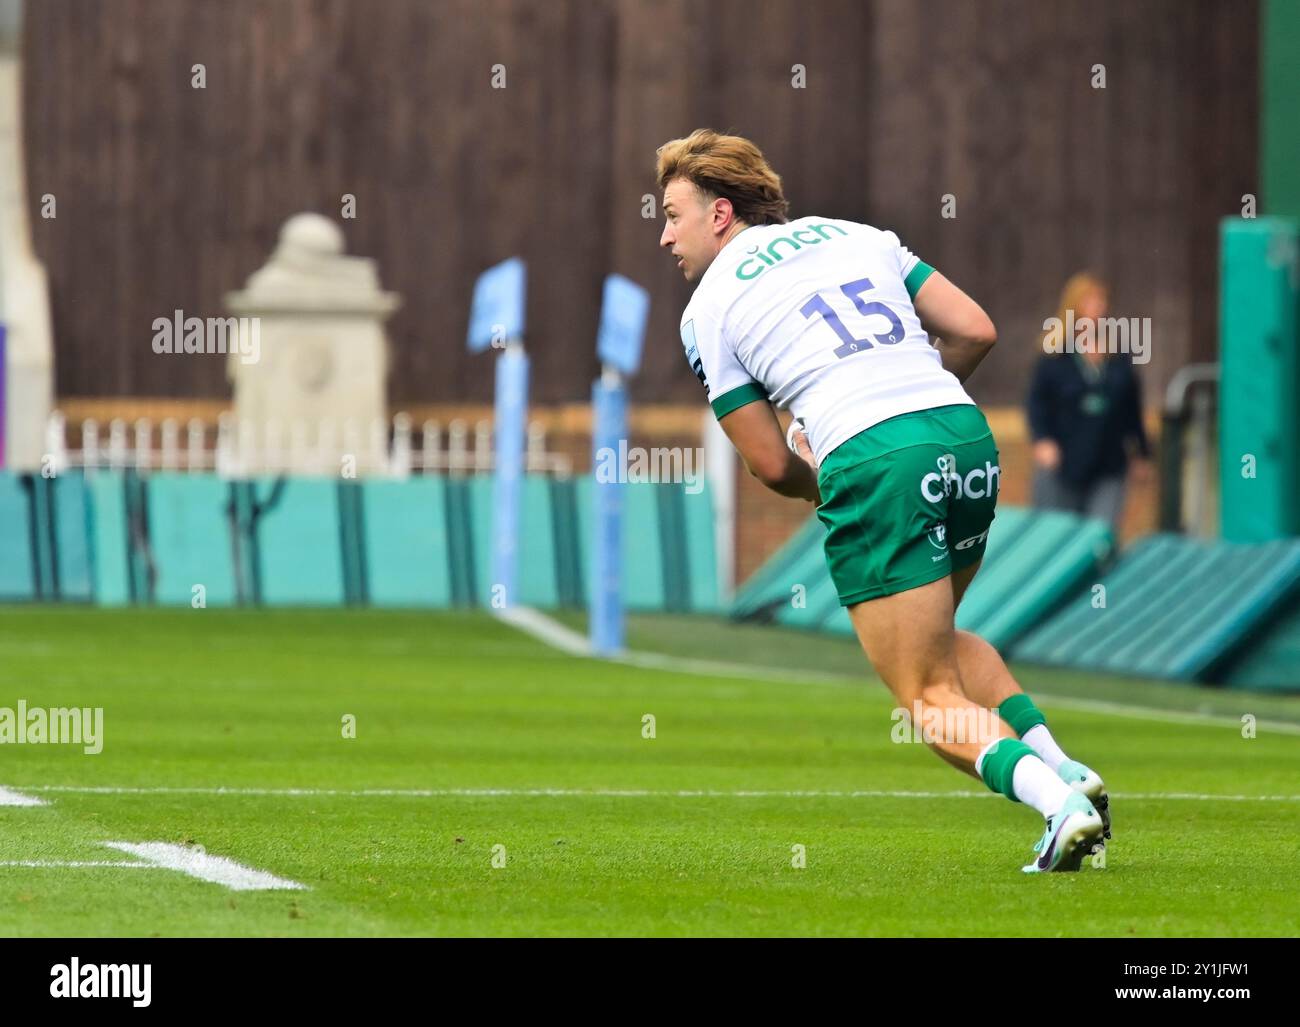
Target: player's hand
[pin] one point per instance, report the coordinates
(1047, 454)
(798, 443)
(1142, 471)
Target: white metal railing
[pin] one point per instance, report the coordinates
(237, 448)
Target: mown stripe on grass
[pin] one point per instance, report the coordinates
(612, 793)
(552, 633)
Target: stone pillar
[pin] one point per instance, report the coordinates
(310, 384)
(24, 293)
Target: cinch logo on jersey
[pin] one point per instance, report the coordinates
(102, 980)
(948, 480)
(760, 261)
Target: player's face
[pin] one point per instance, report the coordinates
(688, 229)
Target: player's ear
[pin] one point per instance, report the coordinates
(721, 209)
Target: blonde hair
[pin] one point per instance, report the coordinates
(726, 167)
(1077, 286)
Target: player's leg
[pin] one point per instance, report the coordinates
(985, 676)
(987, 681)
(885, 499)
(908, 638)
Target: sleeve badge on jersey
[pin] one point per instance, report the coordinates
(693, 352)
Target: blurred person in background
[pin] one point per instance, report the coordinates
(1085, 412)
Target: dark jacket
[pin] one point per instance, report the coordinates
(1092, 418)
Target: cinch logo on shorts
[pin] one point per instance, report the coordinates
(978, 482)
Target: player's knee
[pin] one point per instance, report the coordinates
(972, 641)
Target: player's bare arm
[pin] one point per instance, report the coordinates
(965, 334)
(755, 432)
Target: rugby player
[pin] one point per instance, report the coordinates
(831, 320)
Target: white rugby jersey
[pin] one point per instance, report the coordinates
(816, 315)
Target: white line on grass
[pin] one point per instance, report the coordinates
(10, 798)
(535, 623)
(162, 856)
(196, 863)
(614, 793)
(551, 632)
(76, 863)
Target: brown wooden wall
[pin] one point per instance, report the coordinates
(170, 196)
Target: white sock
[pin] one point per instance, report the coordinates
(1037, 785)
(1041, 741)
(979, 760)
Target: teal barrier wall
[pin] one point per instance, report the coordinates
(109, 538)
(406, 540)
(1174, 607)
(17, 563)
(118, 538)
(190, 538)
(298, 542)
(45, 544)
(539, 562)
(669, 556)
(1259, 353)
(70, 513)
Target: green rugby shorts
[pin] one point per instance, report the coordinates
(908, 501)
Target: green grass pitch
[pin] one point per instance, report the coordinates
(488, 721)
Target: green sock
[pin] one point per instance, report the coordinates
(998, 766)
(1020, 712)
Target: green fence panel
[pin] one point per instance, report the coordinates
(405, 533)
(299, 547)
(189, 535)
